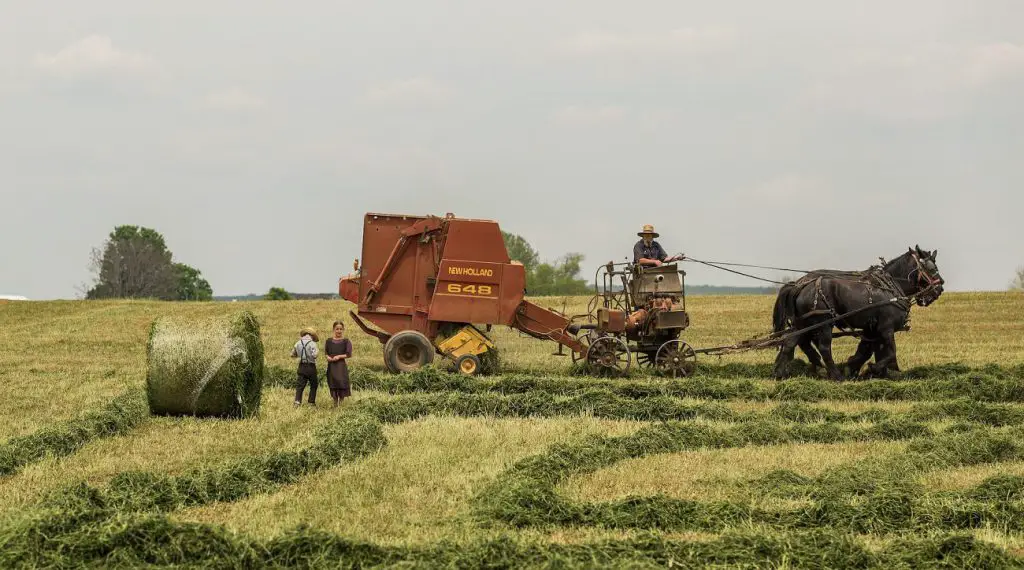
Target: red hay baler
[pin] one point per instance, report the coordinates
(425, 281)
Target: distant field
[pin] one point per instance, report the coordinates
(532, 467)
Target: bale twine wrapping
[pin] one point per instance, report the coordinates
(205, 368)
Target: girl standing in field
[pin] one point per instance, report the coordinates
(306, 351)
(338, 350)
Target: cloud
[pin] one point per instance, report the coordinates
(790, 187)
(993, 63)
(234, 99)
(808, 196)
(415, 91)
(93, 55)
(588, 115)
(647, 120)
(925, 83)
(677, 41)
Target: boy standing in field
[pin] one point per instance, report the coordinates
(306, 351)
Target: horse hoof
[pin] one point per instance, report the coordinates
(874, 372)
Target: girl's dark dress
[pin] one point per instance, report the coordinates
(337, 372)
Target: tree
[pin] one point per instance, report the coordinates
(558, 278)
(191, 285)
(133, 263)
(1018, 281)
(521, 251)
(277, 294)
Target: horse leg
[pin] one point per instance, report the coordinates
(887, 350)
(812, 355)
(864, 350)
(880, 355)
(785, 356)
(823, 340)
(893, 364)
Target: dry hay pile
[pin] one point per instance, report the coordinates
(205, 368)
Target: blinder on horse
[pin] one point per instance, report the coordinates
(928, 280)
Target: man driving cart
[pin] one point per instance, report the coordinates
(648, 252)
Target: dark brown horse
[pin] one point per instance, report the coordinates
(877, 303)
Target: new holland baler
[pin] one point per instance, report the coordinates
(425, 282)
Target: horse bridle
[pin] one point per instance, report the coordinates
(923, 277)
(926, 281)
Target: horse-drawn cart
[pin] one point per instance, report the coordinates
(641, 311)
(426, 283)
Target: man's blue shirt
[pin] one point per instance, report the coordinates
(643, 251)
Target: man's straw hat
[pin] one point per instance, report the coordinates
(648, 230)
(311, 332)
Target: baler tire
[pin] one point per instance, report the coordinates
(408, 351)
(468, 364)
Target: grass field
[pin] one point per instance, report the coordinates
(533, 467)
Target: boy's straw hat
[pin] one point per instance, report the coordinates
(311, 332)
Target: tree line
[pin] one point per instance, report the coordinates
(558, 277)
(134, 262)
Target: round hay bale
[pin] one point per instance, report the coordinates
(205, 368)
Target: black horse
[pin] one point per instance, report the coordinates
(876, 301)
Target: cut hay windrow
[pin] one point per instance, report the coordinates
(121, 525)
(205, 368)
(118, 417)
(348, 438)
(526, 494)
(879, 513)
(871, 496)
(116, 540)
(877, 496)
(459, 395)
(990, 384)
(605, 404)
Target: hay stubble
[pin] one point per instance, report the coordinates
(420, 488)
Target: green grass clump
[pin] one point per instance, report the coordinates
(118, 417)
(526, 494)
(984, 384)
(205, 367)
(877, 496)
(113, 540)
(347, 438)
(597, 403)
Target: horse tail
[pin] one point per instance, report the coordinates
(783, 303)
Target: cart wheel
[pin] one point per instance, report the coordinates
(468, 364)
(587, 340)
(609, 355)
(676, 359)
(408, 351)
(646, 359)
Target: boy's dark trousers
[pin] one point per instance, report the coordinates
(306, 373)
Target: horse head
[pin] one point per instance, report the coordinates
(917, 274)
(925, 275)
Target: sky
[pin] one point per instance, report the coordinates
(255, 135)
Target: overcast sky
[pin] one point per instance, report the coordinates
(255, 135)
